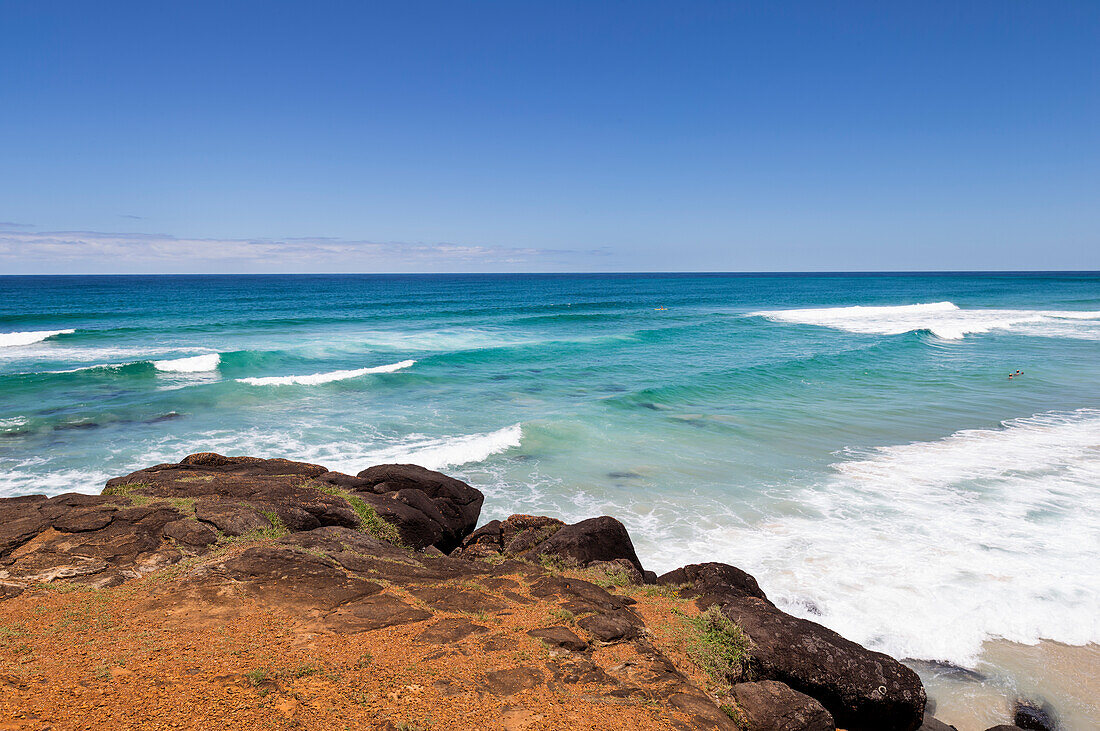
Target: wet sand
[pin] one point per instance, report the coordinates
(1065, 677)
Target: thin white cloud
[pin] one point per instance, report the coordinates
(104, 252)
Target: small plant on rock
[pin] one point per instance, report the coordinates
(718, 646)
(370, 521)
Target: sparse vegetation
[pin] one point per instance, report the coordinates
(667, 591)
(718, 646)
(607, 577)
(555, 564)
(278, 528)
(125, 490)
(306, 670)
(370, 521)
(557, 614)
(256, 677)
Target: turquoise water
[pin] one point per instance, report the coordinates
(852, 440)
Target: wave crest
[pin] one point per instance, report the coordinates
(436, 454)
(191, 364)
(318, 378)
(30, 337)
(943, 319)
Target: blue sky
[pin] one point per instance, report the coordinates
(548, 136)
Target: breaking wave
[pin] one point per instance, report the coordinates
(943, 319)
(30, 337)
(436, 453)
(192, 364)
(318, 378)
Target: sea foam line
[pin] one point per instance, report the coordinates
(437, 453)
(318, 378)
(943, 319)
(929, 549)
(190, 364)
(27, 338)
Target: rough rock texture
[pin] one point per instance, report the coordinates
(713, 582)
(1033, 717)
(864, 690)
(428, 507)
(597, 541)
(769, 705)
(934, 724)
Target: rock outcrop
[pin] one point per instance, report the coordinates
(593, 541)
(523, 612)
(769, 705)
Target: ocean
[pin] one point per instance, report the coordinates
(852, 440)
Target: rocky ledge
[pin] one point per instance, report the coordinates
(239, 591)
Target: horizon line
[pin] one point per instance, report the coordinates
(716, 272)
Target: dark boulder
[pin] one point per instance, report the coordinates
(1004, 727)
(934, 724)
(864, 690)
(769, 705)
(713, 582)
(514, 537)
(190, 533)
(1034, 717)
(595, 539)
(602, 542)
(619, 571)
(562, 637)
(427, 507)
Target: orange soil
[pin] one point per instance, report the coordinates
(146, 655)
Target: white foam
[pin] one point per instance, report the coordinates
(928, 549)
(192, 364)
(317, 378)
(30, 337)
(436, 453)
(943, 319)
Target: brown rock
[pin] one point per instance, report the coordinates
(769, 705)
(449, 504)
(232, 519)
(562, 637)
(595, 539)
(374, 612)
(714, 582)
(512, 680)
(862, 689)
(450, 630)
(705, 714)
(612, 626)
(190, 533)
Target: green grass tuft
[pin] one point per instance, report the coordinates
(278, 528)
(370, 521)
(256, 677)
(718, 646)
